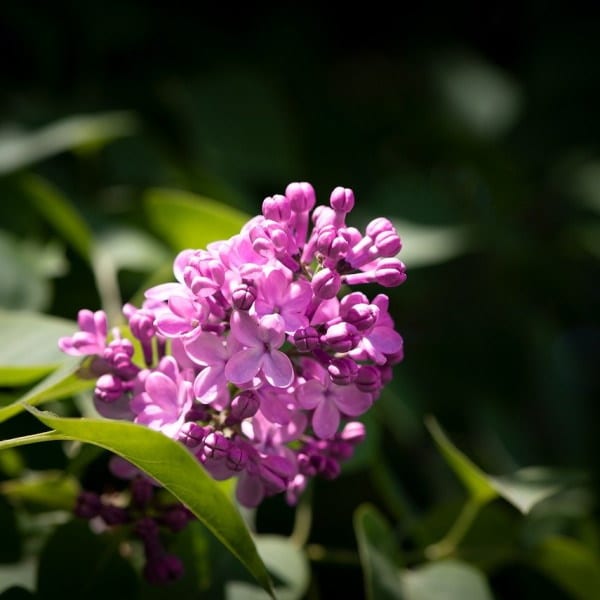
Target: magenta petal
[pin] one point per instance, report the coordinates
(275, 286)
(163, 291)
(206, 349)
(351, 401)
(244, 365)
(278, 369)
(250, 490)
(326, 419)
(171, 325)
(386, 340)
(161, 389)
(183, 307)
(310, 394)
(245, 329)
(208, 378)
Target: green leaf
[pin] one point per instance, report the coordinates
(449, 579)
(425, 245)
(29, 347)
(524, 488)
(189, 221)
(378, 555)
(51, 490)
(62, 383)
(571, 565)
(77, 563)
(473, 478)
(60, 213)
(19, 574)
(176, 469)
(285, 561)
(531, 485)
(133, 249)
(19, 149)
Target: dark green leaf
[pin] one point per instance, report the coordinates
(178, 471)
(76, 563)
(378, 555)
(571, 565)
(449, 579)
(60, 213)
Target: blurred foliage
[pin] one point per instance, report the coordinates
(474, 128)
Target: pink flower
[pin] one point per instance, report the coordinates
(261, 355)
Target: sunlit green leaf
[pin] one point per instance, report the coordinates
(29, 347)
(571, 565)
(62, 383)
(478, 96)
(21, 574)
(132, 249)
(529, 486)
(449, 579)
(177, 471)
(424, 245)
(60, 213)
(19, 149)
(378, 555)
(285, 561)
(189, 221)
(52, 490)
(473, 478)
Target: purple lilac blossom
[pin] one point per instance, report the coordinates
(261, 355)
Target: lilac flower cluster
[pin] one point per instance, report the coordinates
(260, 354)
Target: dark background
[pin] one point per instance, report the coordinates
(474, 119)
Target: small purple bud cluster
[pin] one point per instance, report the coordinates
(148, 518)
(260, 355)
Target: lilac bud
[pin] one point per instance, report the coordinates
(342, 199)
(387, 243)
(113, 515)
(163, 569)
(141, 323)
(330, 244)
(390, 272)
(301, 196)
(109, 388)
(244, 295)
(237, 458)
(276, 471)
(216, 445)
(244, 405)
(326, 284)
(378, 226)
(306, 339)
(192, 434)
(341, 337)
(342, 371)
(331, 469)
(176, 517)
(354, 432)
(368, 379)
(147, 529)
(277, 208)
(88, 505)
(362, 316)
(141, 492)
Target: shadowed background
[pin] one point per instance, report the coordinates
(476, 130)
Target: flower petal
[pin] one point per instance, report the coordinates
(245, 329)
(244, 365)
(326, 419)
(208, 378)
(206, 349)
(278, 369)
(350, 400)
